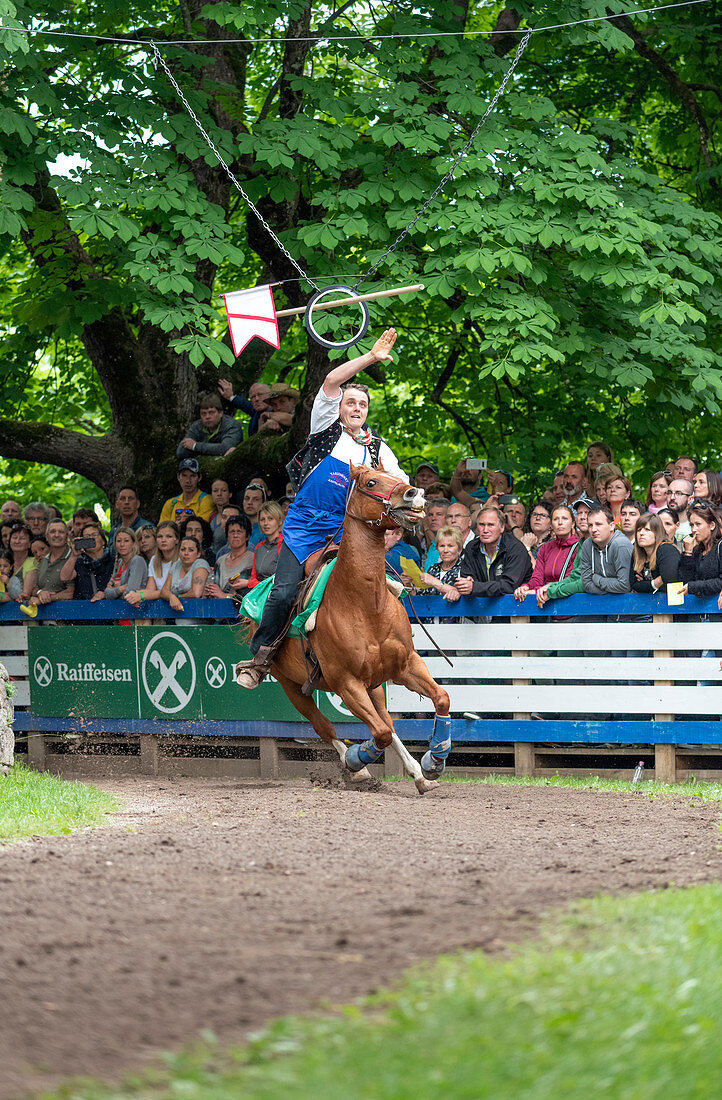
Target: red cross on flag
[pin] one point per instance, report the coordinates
(251, 313)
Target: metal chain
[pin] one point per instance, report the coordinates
(157, 58)
(460, 155)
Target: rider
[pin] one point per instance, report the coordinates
(320, 475)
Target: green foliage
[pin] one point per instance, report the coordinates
(621, 997)
(573, 267)
(38, 804)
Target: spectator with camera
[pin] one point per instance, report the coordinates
(605, 556)
(467, 485)
(495, 563)
(214, 433)
(89, 563)
(191, 500)
(254, 405)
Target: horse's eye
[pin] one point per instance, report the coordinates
(371, 483)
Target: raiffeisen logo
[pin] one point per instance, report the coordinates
(89, 671)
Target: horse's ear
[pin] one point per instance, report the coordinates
(381, 469)
(355, 471)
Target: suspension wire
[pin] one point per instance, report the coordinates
(459, 157)
(159, 60)
(348, 37)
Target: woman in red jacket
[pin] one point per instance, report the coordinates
(265, 556)
(556, 557)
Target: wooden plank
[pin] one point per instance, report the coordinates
(662, 679)
(149, 754)
(572, 636)
(21, 693)
(577, 669)
(588, 699)
(524, 758)
(13, 637)
(519, 681)
(18, 666)
(269, 758)
(665, 763)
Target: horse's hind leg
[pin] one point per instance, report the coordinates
(409, 765)
(321, 724)
(416, 677)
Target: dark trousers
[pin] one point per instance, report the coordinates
(288, 576)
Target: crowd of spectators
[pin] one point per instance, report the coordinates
(588, 532)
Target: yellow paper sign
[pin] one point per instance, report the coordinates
(674, 593)
(411, 569)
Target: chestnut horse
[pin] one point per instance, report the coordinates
(362, 637)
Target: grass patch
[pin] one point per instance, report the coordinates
(621, 998)
(649, 788)
(38, 804)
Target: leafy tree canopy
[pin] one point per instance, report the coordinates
(572, 266)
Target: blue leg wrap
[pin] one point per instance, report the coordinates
(433, 762)
(358, 756)
(440, 743)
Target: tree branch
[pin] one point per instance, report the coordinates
(675, 82)
(91, 456)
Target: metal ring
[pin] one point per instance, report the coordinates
(308, 319)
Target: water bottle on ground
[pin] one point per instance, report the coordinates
(638, 772)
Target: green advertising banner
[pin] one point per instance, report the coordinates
(171, 672)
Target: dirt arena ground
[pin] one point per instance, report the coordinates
(219, 904)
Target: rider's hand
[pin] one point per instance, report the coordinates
(384, 344)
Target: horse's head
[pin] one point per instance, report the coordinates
(384, 501)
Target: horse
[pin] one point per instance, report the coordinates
(362, 637)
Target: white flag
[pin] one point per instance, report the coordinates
(251, 313)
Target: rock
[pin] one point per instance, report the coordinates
(7, 737)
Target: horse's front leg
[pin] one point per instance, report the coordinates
(416, 677)
(408, 763)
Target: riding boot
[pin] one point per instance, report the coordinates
(249, 674)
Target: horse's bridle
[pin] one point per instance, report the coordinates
(385, 497)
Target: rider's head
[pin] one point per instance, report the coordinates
(354, 406)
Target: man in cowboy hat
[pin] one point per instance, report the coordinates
(319, 474)
(282, 400)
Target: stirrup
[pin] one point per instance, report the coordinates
(249, 674)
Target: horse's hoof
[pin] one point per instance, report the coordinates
(431, 766)
(359, 776)
(423, 786)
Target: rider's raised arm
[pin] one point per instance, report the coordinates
(381, 350)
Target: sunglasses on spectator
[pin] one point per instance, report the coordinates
(184, 512)
(255, 485)
(704, 506)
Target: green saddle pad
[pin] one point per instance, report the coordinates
(255, 601)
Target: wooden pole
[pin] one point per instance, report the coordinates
(350, 301)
